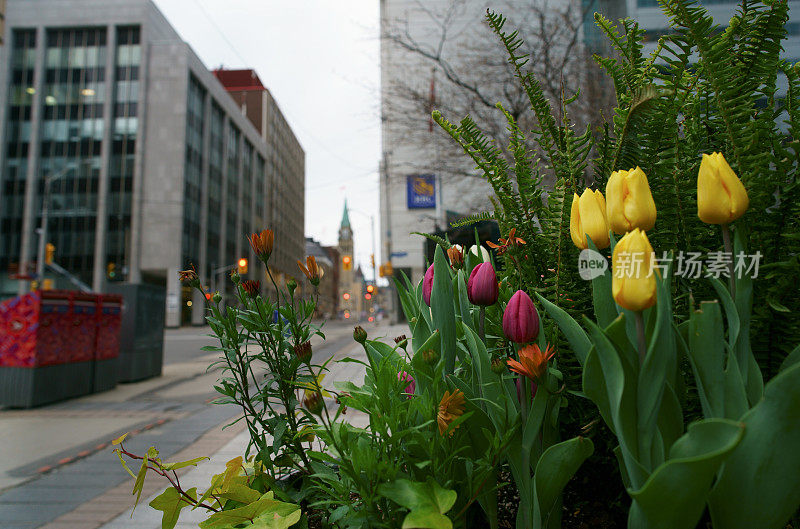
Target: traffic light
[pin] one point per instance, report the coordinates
(111, 270)
(347, 262)
(346, 296)
(368, 296)
(242, 266)
(49, 252)
(370, 288)
(386, 270)
(208, 296)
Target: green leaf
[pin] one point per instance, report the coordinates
(576, 336)
(605, 309)
(264, 513)
(183, 464)
(675, 494)
(555, 468)
(124, 464)
(792, 359)
(759, 486)
(707, 356)
(171, 502)
(241, 493)
(428, 503)
(139, 483)
(443, 313)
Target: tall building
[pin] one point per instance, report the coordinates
(285, 166)
(146, 163)
(2, 21)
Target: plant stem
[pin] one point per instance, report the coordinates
(726, 241)
(640, 338)
(481, 322)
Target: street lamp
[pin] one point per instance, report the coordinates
(48, 181)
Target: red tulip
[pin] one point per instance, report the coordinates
(482, 286)
(520, 320)
(427, 286)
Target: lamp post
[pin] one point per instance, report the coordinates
(48, 181)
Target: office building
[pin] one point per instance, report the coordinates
(149, 162)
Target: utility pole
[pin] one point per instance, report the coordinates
(48, 181)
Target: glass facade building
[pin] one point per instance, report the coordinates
(146, 164)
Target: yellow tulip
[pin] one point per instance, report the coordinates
(721, 197)
(633, 284)
(588, 217)
(630, 203)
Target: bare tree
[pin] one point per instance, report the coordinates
(468, 71)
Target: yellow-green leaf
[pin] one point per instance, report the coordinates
(241, 493)
(119, 439)
(182, 464)
(171, 502)
(264, 513)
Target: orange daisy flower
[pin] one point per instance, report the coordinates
(451, 407)
(532, 361)
(310, 270)
(505, 244)
(262, 243)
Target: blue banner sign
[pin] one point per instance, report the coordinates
(421, 191)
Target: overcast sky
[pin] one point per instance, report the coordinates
(321, 62)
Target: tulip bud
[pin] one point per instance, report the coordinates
(303, 351)
(359, 334)
(412, 384)
(498, 365)
(480, 252)
(427, 286)
(721, 197)
(456, 257)
(520, 319)
(482, 286)
(633, 284)
(312, 401)
(629, 203)
(588, 217)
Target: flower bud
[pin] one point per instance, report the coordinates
(401, 341)
(291, 284)
(629, 203)
(427, 286)
(482, 288)
(303, 351)
(456, 257)
(520, 319)
(498, 365)
(633, 284)
(588, 217)
(217, 297)
(312, 401)
(235, 277)
(412, 384)
(481, 253)
(262, 244)
(721, 197)
(190, 276)
(359, 334)
(252, 287)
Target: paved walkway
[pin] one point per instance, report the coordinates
(71, 480)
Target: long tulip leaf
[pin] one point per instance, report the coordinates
(707, 356)
(758, 486)
(685, 478)
(578, 340)
(443, 312)
(555, 468)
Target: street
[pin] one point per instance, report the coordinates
(56, 465)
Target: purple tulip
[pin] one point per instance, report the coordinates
(520, 320)
(482, 286)
(427, 286)
(412, 384)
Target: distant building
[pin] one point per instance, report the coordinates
(285, 169)
(351, 281)
(152, 165)
(2, 21)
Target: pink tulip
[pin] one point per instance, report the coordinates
(482, 286)
(520, 320)
(412, 383)
(427, 286)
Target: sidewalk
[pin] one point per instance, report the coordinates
(74, 481)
